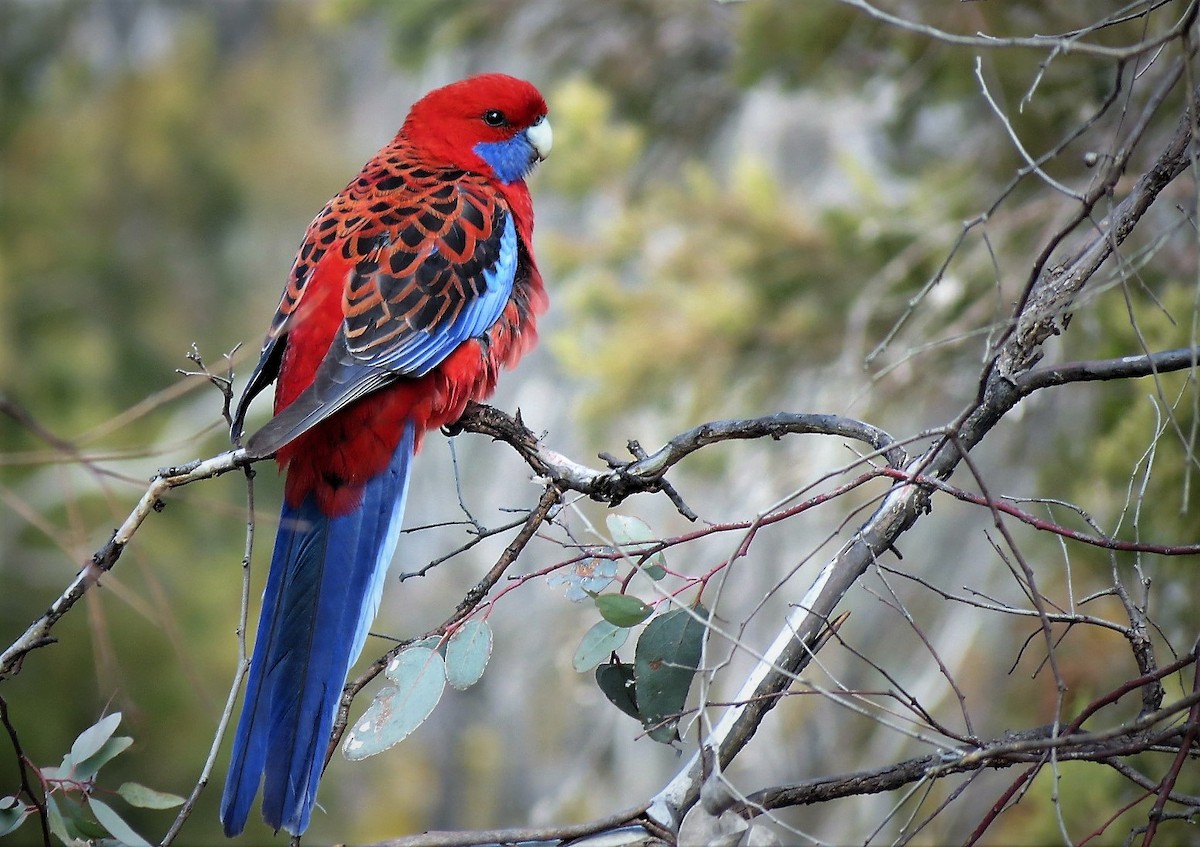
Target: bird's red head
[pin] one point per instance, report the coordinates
(491, 122)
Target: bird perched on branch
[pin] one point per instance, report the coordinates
(413, 287)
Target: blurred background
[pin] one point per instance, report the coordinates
(742, 202)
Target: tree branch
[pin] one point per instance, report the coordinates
(38, 633)
(517, 835)
(1126, 367)
(646, 474)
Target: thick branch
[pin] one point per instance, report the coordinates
(646, 474)
(1126, 367)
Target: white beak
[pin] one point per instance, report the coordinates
(541, 137)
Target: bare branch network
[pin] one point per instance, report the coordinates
(903, 477)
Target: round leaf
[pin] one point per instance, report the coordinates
(622, 609)
(626, 530)
(433, 642)
(598, 644)
(420, 677)
(467, 653)
(585, 578)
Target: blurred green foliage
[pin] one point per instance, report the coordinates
(159, 162)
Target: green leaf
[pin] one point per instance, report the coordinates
(627, 530)
(467, 653)
(12, 814)
(665, 661)
(622, 609)
(420, 677)
(58, 825)
(111, 748)
(115, 824)
(598, 644)
(79, 824)
(616, 681)
(433, 642)
(136, 794)
(655, 566)
(635, 537)
(92, 739)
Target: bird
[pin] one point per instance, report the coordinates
(412, 289)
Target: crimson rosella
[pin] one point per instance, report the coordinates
(413, 287)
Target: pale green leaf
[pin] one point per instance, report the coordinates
(420, 677)
(115, 824)
(79, 825)
(92, 739)
(627, 530)
(467, 653)
(598, 644)
(111, 748)
(58, 825)
(136, 794)
(12, 814)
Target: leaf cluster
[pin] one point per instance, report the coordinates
(71, 803)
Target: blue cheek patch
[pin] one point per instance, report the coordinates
(511, 159)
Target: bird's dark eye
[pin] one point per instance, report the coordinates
(494, 117)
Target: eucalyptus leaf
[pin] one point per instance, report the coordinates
(585, 578)
(655, 566)
(420, 678)
(92, 739)
(58, 825)
(622, 609)
(12, 814)
(616, 682)
(467, 653)
(79, 824)
(598, 644)
(115, 824)
(136, 794)
(665, 661)
(627, 530)
(111, 748)
(433, 642)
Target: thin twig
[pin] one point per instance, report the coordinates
(23, 772)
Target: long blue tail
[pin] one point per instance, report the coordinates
(322, 593)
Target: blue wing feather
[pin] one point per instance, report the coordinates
(322, 592)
